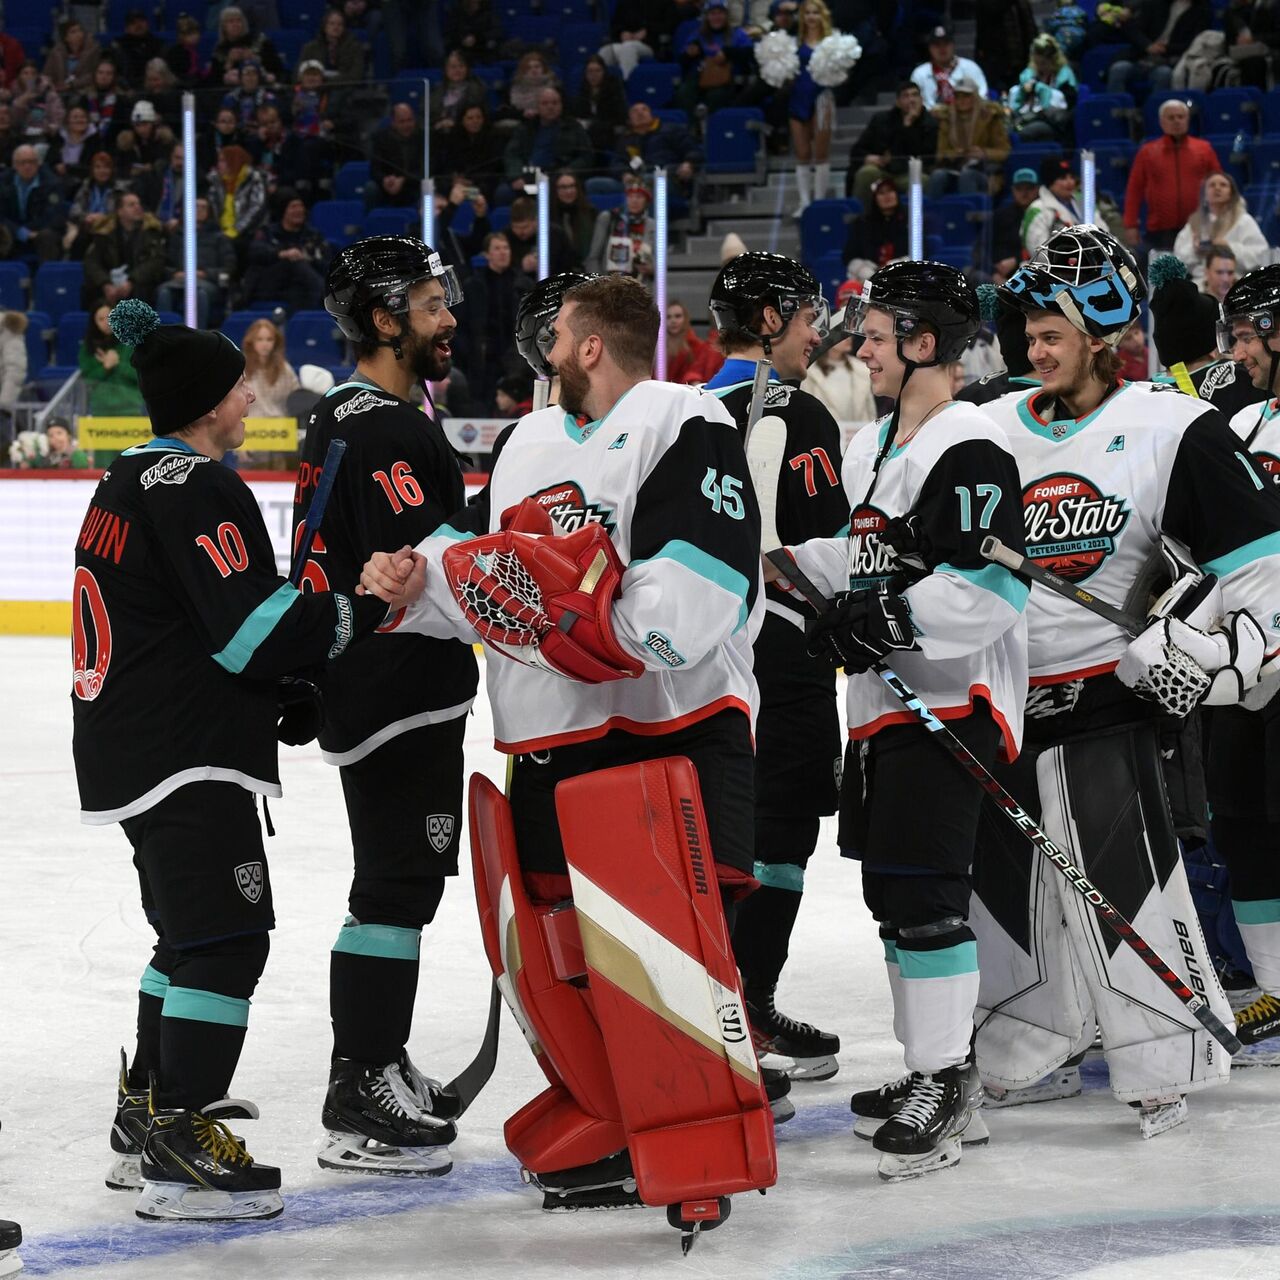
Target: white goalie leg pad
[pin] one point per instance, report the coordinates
(1033, 1006)
(1105, 805)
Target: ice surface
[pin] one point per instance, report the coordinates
(1066, 1189)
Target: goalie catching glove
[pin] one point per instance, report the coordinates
(861, 628)
(543, 597)
(1190, 654)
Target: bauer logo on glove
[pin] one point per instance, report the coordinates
(544, 599)
(861, 627)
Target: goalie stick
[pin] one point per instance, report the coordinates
(315, 512)
(465, 1087)
(1196, 1005)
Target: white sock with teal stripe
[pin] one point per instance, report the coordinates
(895, 988)
(934, 1000)
(1259, 923)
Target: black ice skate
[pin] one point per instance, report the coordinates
(196, 1169)
(1259, 1020)
(777, 1084)
(129, 1129)
(813, 1052)
(925, 1133)
(376, 1123)
(609, 1183)
(10, 1239)
(429, 1092)
(874, 1106)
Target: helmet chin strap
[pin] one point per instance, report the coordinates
(1271, 392)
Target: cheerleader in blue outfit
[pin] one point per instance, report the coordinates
(812, 108)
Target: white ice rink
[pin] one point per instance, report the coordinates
(1065, 1189)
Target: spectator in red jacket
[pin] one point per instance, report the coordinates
(689, 359)
(1166, 177)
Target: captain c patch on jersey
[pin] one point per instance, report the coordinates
(567, 505)
(1071, 526)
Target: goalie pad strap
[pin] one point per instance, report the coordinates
(664, 982)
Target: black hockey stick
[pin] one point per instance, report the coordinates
(315, 512)
(466, 1085)
(995, 550)
(1195, 1004)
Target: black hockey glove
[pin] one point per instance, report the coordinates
(911, 546)
(301, 711)
(860, 628)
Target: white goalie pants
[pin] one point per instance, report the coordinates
(1051, 970)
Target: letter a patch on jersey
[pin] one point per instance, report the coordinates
(440, 830)
(1117, 445)
(249, 880)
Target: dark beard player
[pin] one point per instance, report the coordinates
(394, 723)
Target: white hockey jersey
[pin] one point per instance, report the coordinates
(1099, 491)
(958, 478)
(1265, 444)
(665, 473)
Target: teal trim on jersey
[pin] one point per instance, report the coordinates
(354, 382)
(386, 941)
(780, 875)
(1025, 381)
(890, 951)
(448, 531)
(255, 629)
(1258, 549)
(902, 448)
(1260, 911)
(205, 1006)
(721, 392)
(154, 983)
(843, 531)
(996, 579)
(580, 435)
(947, 962)
(160, 442)
(705, 566)
(1062, 428)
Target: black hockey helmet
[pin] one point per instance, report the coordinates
(1253, 299)
(1084, 274)
(380, 271)
(916, 293)
(536, 311)
(755, 279)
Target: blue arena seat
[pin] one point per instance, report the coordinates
(393, 222)
(311, 337)
(236, 322)
(823, 227)
(1104, 117)
(733, 139)
(957, 218)
(348, 182)
(39, 324)
(1095, 63)
(57, 288)
(72, 327)
(654, 83)
(339, 221)
(1232, 110)
(15, 280)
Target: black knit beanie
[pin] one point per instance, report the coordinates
(182, 373)
(1185, 319)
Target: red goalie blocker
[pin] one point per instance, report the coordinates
(544, 599)
(664, 983)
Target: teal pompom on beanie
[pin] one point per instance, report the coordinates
(182, 373)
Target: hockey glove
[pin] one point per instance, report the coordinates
(301, 711)
(860, 628)
(910, 546)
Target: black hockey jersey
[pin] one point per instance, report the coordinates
(179, 624)
(398, 482)
(1223, 384)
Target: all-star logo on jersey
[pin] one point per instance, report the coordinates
(1071, 526)
(567, 505)
(1270, 464)
(870, 561)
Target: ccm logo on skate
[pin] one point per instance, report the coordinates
(694, 841)
(1189, 952)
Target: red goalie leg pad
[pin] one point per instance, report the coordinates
(664, 982)
(577, 1120)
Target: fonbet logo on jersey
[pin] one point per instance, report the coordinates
(1270, 464)
(1071, 527)
(567, 505)
(870, 561)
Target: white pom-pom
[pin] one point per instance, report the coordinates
(833, 59)
(778, 59)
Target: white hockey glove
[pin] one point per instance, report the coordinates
(1190, 654)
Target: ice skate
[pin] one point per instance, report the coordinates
(429, 1091)
(691, 1217)
(925, 1134)
(1159, 1115)
(1259, 1020)
(777, 1084)
(196, 1169)
(874, 1106)
(1061, 1082)
(375, 1122)
(609, 1183)
(812, 1052)
(10, 1239)
(129, 1129)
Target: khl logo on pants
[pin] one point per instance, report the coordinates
(440, 830)
(249, 880)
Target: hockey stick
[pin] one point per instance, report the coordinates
(1119, 924)
(766, 449)
(465, 1087)
(315, 512)
(758, 384)
(995, 550)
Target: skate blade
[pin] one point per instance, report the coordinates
(1265, 1053)
(10, 1263)
(596, 1200)
(124, 1175)
(974, 1133)
(897, 1168)
(823, 1068)
(175, 1202)
(1056, 1085)
(349, 1153)
(783, 1109)
(225, 1109)
(1169, 1116)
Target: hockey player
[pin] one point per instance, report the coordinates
(654, 477)
(766, 306)
(396, 714)
(179, 624)
(1110, 469)
(924, 487)
(1244, 752)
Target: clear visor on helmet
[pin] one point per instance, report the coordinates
(724, 315)
(1246, 324)
(447, 277)
(859, 308)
